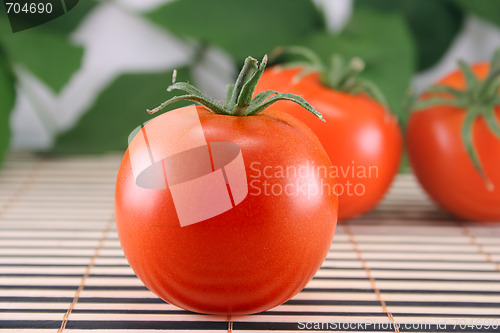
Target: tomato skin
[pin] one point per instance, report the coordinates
(441, 163)
(358, 135)
(249, 259)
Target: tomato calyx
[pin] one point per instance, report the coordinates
(239, 98)
(479, 99)
(339, 75)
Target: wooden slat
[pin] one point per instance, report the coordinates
(406, 262)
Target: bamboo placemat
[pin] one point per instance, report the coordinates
(62, 269)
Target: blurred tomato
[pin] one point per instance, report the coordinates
(442, 163)
(361, 138)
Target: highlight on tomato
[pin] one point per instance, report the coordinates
(246, 242)
(453, 139)
(361, 136)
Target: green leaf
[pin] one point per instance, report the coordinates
(7, 98)
(51, 57)
(383, 42)
(487, 9)
(241, 28)
(64, 24)
(70, 21)
(119, 109)
(4, 20)
(46, 50)
(433, 24)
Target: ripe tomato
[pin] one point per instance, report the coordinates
(362, 140)
(254, 256)
(440, 160)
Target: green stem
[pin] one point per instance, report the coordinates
(239, 98)
(339, 75)
(203, 101)
(479, 98)
(490, 84)
(249, 68)
(246, 94)
(310, 57)
(350, 75)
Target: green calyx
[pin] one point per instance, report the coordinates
(479, 99)
(239, 98)
(338, 74)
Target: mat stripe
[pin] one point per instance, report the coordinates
(62, 268)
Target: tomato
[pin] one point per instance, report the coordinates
(361, 138)
(252, 257)
(441, 162)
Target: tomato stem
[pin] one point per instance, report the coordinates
(246, 94)
(249, 69)
(479, 99)
(239, 97)
(339, 75)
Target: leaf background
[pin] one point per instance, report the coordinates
(396, 38)
(383, 41)
(432, 24)
(240, 28)
(7, 96)
(47, 50)
(120, 109)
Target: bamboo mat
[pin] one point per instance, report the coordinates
(62, 269)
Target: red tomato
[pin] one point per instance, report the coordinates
(441, 163)
(254, 256)
(362, 140)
